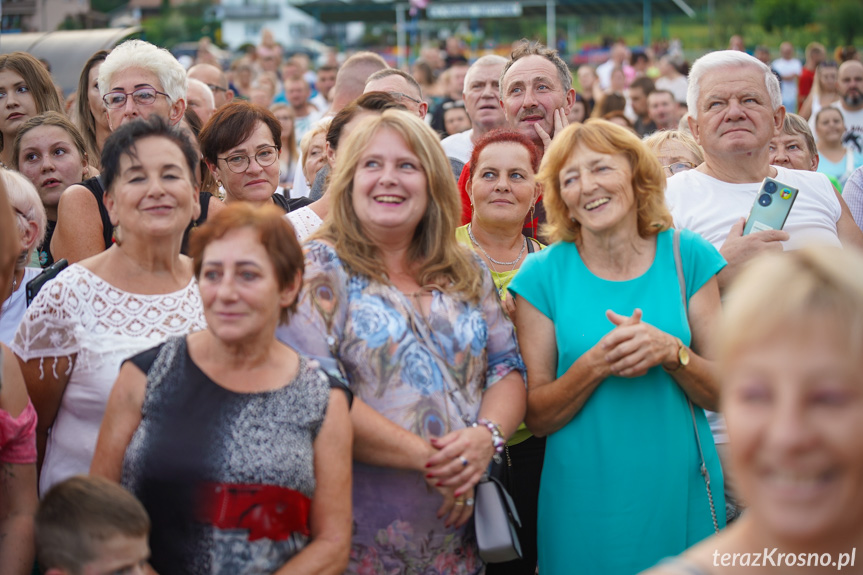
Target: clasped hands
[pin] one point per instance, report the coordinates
(633, 347)
(457, 463)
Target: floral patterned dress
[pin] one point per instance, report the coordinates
(403, 365)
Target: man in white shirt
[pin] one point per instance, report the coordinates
(617, 59)
(735, 110)
(482, 100)
(789, 69)
(297, 93)
(851, 105)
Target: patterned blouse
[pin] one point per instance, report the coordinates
(425, 374)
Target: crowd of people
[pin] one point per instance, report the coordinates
(279, 318)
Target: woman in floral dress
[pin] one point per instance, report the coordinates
(413, 321)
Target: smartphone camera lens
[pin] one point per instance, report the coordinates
(765, 199)
(770, 187)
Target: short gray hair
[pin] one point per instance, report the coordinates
(140, 54)
(205, 88)
(386, 72)
(487, 60)
(526, 48)
(725, 59)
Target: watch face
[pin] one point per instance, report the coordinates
(683, 355)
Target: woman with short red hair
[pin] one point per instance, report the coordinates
(502, 193)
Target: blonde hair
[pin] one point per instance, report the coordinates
(789, 290)
(601, 136)
(443, 260)
(655, 141)
(306, 140)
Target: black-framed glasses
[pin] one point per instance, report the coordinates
(402, 96)
(678, 167)
(239, 163)
(144, 96)
(215, 88)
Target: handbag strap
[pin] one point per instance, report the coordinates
(678, 264)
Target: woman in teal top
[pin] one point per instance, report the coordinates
(502, 190)
(612, 361)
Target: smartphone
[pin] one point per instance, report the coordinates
(771, 208)
(33, 286)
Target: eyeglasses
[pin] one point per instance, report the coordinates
(215, 88)
(454, 104)
(145, 96)
(239, 163)
(678, 167)
(402, 96)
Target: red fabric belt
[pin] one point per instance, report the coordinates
(267, 511)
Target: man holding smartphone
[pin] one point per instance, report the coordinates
(735, 109)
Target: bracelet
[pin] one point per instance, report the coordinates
(497, 439)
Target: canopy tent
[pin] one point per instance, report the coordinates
(66, 50)
(332, 11)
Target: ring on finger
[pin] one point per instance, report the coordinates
(459, 501)
(463, 460)
(469, 501)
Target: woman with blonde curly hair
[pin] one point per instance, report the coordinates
(613, 322)
(416, 324)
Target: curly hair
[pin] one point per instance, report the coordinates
(601, 136)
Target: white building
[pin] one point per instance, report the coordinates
(244, 20)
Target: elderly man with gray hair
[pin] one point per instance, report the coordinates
(482, 101)
(735, 109)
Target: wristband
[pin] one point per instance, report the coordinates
(497, 439)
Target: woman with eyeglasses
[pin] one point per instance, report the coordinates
(137, 80)
(241, 144)
(676, 151)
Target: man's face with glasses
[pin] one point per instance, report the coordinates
(137, 93)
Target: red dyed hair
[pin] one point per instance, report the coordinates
(505, 137)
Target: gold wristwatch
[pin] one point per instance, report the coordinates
(682, 357)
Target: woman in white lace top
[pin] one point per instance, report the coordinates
(136, 294)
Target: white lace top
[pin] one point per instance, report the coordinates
(305, 221)
(80, 314)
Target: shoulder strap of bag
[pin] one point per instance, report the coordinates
(678, 264)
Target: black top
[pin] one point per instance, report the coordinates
(290, 204)
(95, 187)
(195, 433)
(44, 249)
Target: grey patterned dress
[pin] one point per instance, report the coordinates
(226, 477)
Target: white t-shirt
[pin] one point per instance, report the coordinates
(791, 67)
(677, 87)
(458, 146)
(709, 207)
(14, 307)
(853, 124)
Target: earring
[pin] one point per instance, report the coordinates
(115, 235)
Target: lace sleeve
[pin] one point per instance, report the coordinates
(48, 328)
